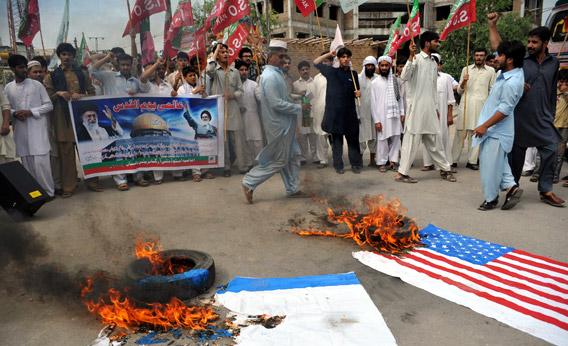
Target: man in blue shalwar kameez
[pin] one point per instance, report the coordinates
(282, 153)
(495, 129)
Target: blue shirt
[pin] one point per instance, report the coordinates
(504, 96)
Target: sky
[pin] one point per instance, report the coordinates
(106, 18)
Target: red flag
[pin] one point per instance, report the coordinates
(182, 17)
(232, 11)
(405, 34)
(30, 24)
(143, 9)
(236, 41)
(463, 12)
(306, 6)
(214, 13)
(146, 42)
(197, 46)
(169, 51)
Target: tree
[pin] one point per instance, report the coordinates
(510, 26)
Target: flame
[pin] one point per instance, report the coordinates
(379, 228)
(151, 251)
(114, 307)
(117, 309)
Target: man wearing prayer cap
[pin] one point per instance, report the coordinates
(279, 118)
(367, 134)
(387, 111)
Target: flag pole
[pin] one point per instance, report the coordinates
(355, 87)
(465, 89)
(129, 14)
(411, 30)
(42, 44)
(319, 24)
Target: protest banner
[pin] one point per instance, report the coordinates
(232, 11)
(126, 134)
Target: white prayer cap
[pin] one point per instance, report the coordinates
(385, 58)
(437, 56)
(370, 60)
(278, 44)
(33, 63)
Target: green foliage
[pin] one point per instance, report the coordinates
(510, 26)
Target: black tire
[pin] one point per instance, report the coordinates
(161, 288)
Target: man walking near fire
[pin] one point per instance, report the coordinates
(279, 117)
(495, 128)
(421, 123)
(534, 123)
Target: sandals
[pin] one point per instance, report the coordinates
(196, 178)
(122, 187)
(142, 183)
(447, 175)
(94, 186)
(382, 168)
(401, 178)
(208, 175)
(428, 168)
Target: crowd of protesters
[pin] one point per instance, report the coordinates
(511, 102)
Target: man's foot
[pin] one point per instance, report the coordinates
(316, 162)
(556, 180)
(208, 175)
(142, 183)
(94, 186)
(356, 169)
(322, 165)
(122, 187)
(157, 182)
(58, 192)
(447, 175)
(248, 194)
(512, 198)
(393, 166)
(405, 179)
(428, 168)
(534, 178)
(227, 173)
(489, 205)
(298, 194)
(180, 178)
(382, 168)
(551, 199)
(527, 173)
(472, 166)
(340, 171)
(453, 170)
(455, 165)
(196, 178)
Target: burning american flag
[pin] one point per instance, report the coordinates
(525, 291)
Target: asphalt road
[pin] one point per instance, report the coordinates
(97, 231)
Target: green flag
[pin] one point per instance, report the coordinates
(392, 33)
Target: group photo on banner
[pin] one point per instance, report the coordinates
(118, 135)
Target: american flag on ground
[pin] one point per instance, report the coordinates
(525, 291)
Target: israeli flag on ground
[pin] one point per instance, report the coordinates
(331, 309)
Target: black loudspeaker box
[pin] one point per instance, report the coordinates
(19, 189)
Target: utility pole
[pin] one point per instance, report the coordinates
(96, 38)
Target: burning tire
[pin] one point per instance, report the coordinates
(189, 273)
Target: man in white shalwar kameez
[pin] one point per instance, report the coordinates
(367, 133)
(446, 102)
(279, 117)
(421, 123)
(387, 110)
(30, 104)
(7, 145)
(249, 110)
(319, 88)
(303, 88)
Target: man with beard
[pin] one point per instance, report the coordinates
(279, 116)
(534, 115)
(67, 82)
(90, 130)
(340, 119)
(302, 90)
(387, 111)
(246, 55)
(421, 122)
(495, 128)
(478, 78)
(225, 80)
(30, 104)
(367, 134)
(249, 110)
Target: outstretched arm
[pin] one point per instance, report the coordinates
(494, 37)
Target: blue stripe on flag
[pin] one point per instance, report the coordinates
(269, 284)
(469, 249)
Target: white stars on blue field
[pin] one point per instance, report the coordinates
(463, 247)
